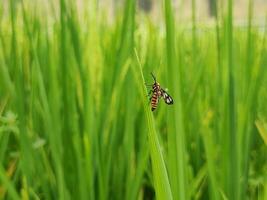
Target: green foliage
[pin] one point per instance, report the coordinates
(75, 119)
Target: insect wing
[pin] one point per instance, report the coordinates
(167, 98)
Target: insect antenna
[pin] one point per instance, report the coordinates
(154, 77)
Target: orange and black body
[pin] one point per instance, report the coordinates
(157, 93)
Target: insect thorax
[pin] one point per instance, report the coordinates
(156, 86)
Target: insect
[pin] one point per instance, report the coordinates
(157, 93)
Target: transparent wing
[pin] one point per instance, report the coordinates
(167, 98)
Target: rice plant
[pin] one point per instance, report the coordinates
(76, 121)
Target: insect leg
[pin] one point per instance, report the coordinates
(149, 93)
(150, 96)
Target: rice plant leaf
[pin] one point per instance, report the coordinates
(160, 176)
(262, 130)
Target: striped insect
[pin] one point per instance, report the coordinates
(157, 93)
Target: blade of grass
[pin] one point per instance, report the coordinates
(176, 138)
(8, 184)
(232, 181)
(160, 176)
(261, 126)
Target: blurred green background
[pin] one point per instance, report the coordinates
(75, 119)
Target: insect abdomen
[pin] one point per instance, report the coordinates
(154, 101)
